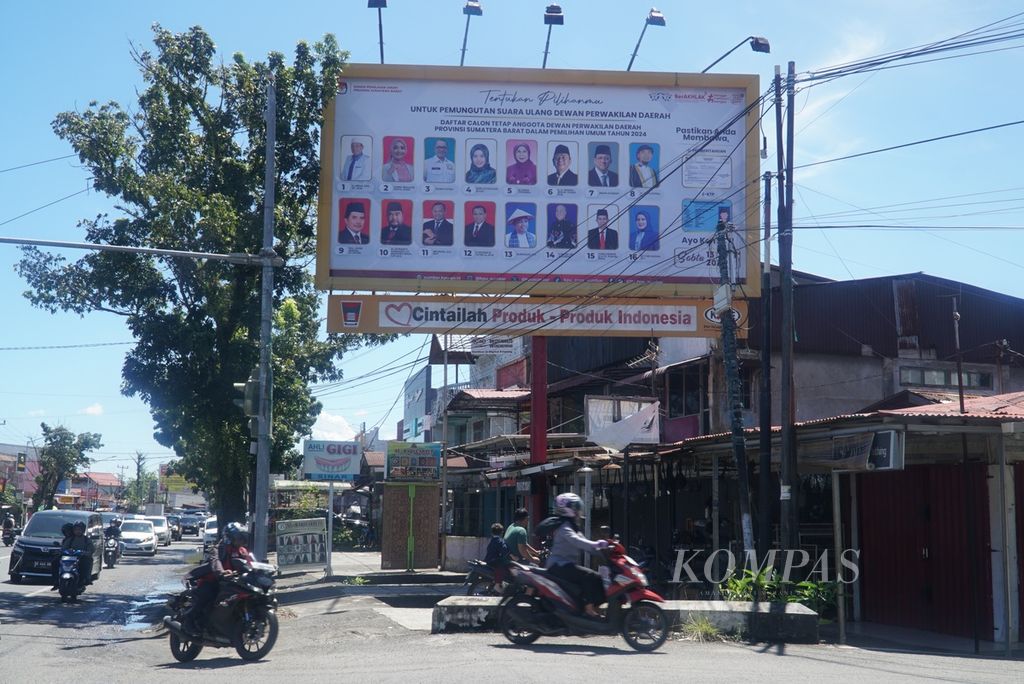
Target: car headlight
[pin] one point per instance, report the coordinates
(18, 546)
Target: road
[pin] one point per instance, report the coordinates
(375, 634)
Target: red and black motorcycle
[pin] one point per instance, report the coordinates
(538, 603)
(242, 616)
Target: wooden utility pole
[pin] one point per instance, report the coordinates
(732, 381)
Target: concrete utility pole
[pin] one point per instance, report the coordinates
(732, 379)
(764, 496)
(789, 477)
(266, 415)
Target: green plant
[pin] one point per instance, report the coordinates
(818, 596)
(753, 586)
(344, 538)
(701, 629)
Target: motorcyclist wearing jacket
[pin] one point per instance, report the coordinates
(231, 548)
(113, 530)
(79, 541)
(8, 523)
(566, 544)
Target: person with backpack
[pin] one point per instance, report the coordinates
(497, 555)
(566, 544)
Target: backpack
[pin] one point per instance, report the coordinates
(547, 526)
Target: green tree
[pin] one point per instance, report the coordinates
(63, 453)
(185, 165)
(136, 491)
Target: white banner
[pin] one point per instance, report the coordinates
(325, 460)
(445, 181)
(301, 543)
(616, 422)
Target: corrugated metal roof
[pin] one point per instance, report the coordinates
(495, 394)
(753, 431)
(1000, 406)
(104, 479)
(374, 459)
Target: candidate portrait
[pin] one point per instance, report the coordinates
(438, 230)
(356, 165)
(561, 226)
(395, 230)
(521, 226)
(562, 156)
(604, 159)
(522, 169)
(398, 151)
(479, 169)
(438, 166)
(479, 229)
(643, 229)
(643, 172)
(602, 235)
(353, 228)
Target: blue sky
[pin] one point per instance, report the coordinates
(61, 55)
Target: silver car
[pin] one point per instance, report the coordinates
(162, 529)
(138, 536)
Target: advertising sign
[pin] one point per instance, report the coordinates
(413, 462)
(493, 344)
(325, 460)
(301, 543)
(499, 181)
(556, 315)
(616, 422)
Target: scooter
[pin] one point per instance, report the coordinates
(537, 603)
(480, 580)
(111, 551)
(9, 534)
(67, 576)
(242, 616)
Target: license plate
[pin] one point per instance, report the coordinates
(43, 564)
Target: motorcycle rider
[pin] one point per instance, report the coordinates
(78, 541)
(114, 530)
(8, 522)
(222, 564)
(566, 544)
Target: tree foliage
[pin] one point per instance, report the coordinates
(185, 165)
(63, 453)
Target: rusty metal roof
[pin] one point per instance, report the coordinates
(488, 400)
(1000, 406)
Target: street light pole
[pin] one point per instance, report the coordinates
(757, 44)
(552, 16)
(266, 317)
(471, 9)
(654, 18)
(379, 5)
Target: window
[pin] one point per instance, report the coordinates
(944, 377)
(685, 390)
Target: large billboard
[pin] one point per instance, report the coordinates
(516, 181)
(326, 460)
(414, 462)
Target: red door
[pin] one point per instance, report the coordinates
(915, 569)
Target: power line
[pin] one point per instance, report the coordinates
(67, 346)
(48, 204)
(44, 161)
(911, 144)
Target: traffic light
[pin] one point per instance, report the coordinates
(22, 462)
(250, 390)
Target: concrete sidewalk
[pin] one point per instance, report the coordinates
(347, 566)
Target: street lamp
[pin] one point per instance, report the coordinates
(654, 18)
(379, 5)
(472, 9)
(757, 44)
(552, 17)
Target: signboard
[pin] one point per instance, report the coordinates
(476, 180)
(882, 450)
(492, 344)
(620, 317)
(413, 462)
(301, 543)
(173, 484)
(616, 422)
(325, 460)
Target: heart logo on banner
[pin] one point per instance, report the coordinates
(400, 314)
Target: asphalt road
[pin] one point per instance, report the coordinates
(366, 634)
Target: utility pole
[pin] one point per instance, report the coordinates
(444, 446)
(266, 414)
(723, 307)
(974, 573)
(789, 478)
(764, 520)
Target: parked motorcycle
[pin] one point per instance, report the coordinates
(242, 616)
(111, 551)
(67, 576)
(537, 603)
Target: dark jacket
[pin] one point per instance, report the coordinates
(594, 179)
(568, 178)
(402, 235)
(611, 239)
(485, 237)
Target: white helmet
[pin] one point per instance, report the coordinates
(569, 505)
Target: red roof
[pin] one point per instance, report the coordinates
(104, 479)
(1001, 406)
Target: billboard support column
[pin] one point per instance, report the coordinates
(330, 529)
(764, 521)
(539, 420)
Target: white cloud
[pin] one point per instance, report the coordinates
(362, 412)
(93, 410)
(333, 427)
(37, 413)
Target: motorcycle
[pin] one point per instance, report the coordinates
(67, 576)
(242, 616)
(9, 534)
(480, 578)
(111, 551)
(537, 603)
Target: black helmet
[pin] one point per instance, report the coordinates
(66, 529)
(79, 523)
